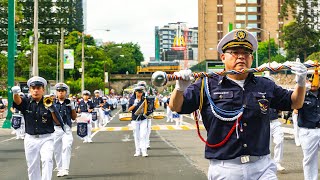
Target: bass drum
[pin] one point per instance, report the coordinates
(125, 116)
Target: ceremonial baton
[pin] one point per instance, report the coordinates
(160, 78)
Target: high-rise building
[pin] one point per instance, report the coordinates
(217, 17)
(174, 33)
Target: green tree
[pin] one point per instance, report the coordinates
(300, 40)
(314, 56)
(263, 51)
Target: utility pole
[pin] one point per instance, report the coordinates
(35, 68)
(82, 63)
(57, 66)
(62, 56)
(11, 49)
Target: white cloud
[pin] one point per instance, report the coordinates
(135, 20)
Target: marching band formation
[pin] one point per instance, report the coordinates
(239, 112)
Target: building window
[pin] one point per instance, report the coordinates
(240, 17)
(240, 9)
(252, 17)
(240, 1)
(240, 25)
(252, 9)
(252, 1)
(252, 25)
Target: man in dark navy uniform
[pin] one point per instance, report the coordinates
(237, 104)
(39, 122)
(309, 130)
(98, 103)
(63, 139)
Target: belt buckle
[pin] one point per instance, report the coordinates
(36, 136)
(245, 159)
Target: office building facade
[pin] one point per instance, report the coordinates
(217, 17)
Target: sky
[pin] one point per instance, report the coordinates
(135, 20)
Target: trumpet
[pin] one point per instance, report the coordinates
(47, 101)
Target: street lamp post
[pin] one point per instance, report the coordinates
(269, 46)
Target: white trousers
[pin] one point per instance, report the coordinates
(148, 132)
(277, 135)
(310, 143)
(169, 115)
(295, 128)
(36, 150)
(140, 131)
(62, 147)
(263, 169)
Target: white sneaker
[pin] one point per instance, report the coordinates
(65, 172)
(137, 154)
(280, 168)
(90, 141)
(144, 154)
(85, 141)
(60, 173)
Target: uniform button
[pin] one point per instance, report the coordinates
(244, 124)
(245, 145)
(263, 97)
(244, 106)
(220, 96)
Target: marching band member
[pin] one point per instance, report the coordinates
(309, 129)
(235, 110)
(39, 117)
(139, 123)
(85, 108)
(98, 103)
(106, 109)
(276, 133)
(63, 140)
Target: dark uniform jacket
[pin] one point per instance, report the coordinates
(309, 114)
(257, 95)
(64, 110)
(84, 106)
(38, 119)
(97, 101)
(273, 114)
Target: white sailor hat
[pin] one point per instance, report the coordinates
(61, 86)
(86, 92)
(104, 98)
(238, 38)
(96, 91)
(37, 81)
(139, 88)
(142, 83)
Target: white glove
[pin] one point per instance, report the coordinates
(16, 89)
(181, 85)
(300, 70)
(71, 104)
(135, 103)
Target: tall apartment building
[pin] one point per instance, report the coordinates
(216, 16)
(164, 40)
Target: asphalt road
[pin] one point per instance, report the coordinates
(176, 153)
